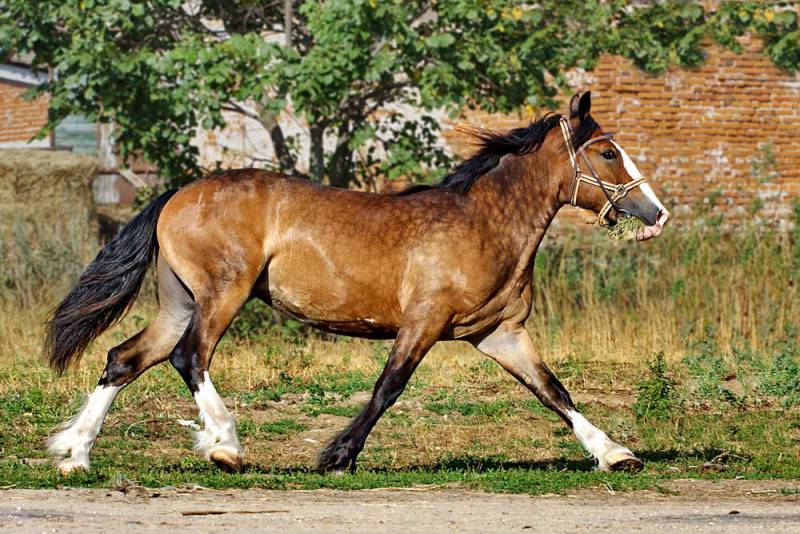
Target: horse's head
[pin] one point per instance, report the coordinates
(605, 179)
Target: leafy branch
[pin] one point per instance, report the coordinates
(366, 76)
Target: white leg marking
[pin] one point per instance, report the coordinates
(220, 426)
(77, 438)
(597, 442)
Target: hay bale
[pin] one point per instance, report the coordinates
(46, 216)
(51, 185)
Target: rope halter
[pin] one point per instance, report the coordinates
(617, 191)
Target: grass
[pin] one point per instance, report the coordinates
(461, 423)
(684, 348)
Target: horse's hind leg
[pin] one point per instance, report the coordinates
(125, 363)
(191, 357)
(512, 347)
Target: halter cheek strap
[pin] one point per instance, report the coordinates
(617, 191)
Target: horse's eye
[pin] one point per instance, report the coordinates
(609, 155)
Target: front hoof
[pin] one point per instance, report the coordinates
(627, 465)
(227, 458)
(68, 466)
(621, 460)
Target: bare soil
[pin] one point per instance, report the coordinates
(678, 506)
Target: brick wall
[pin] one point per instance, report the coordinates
(724, 137)
(19, 119)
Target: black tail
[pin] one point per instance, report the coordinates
(105, 290)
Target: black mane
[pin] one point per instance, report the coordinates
(494, 145)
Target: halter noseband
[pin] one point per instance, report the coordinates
(618, 191)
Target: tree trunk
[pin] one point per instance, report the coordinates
(282, 152)
(316, 156)
(340, 168)
(288, 21)
(340, 174)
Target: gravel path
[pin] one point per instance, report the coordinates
(680, 506)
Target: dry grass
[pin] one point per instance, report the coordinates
(627, 301)
(595, 300)
(45, 235)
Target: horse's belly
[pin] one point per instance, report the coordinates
(319, 296)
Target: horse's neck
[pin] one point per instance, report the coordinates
(521, 198)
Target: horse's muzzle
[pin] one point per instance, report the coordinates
(654, 230)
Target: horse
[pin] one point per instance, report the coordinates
(452, 261)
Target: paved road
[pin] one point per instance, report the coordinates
(732, 506)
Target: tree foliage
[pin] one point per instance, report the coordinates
(348, 69)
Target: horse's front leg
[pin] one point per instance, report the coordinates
(413, 341)
(511, 346)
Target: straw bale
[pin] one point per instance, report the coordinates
(49, 186)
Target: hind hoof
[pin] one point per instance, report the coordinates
(69, 466)
(338, 464)
(227, 458)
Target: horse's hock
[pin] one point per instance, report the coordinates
(44, 193)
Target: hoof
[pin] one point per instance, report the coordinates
(337, 458)
(627, 465)
(69, 466)
(338, 468)
(227, 458)
(338, 465)
(621, 460)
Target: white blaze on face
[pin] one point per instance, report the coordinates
(633, 171)
(654, 230)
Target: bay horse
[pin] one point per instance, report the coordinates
(452, 261)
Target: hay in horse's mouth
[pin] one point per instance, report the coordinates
(626, 228)
(630, 227)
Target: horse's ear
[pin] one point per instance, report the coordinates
(573, 105)
(585, 105)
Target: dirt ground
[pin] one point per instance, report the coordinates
(680, 506)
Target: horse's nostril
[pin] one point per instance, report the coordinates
(662, 217)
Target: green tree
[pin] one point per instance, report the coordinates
(160, 69)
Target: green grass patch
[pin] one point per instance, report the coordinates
(283, 427)
(495, 408)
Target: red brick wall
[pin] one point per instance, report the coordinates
(696, 134)
(19, 119)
